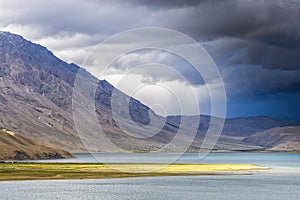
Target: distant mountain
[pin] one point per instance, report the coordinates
(235, 131)
(279, 138)
(240, 126)
(36, 102)
(244, 126)
(16, 147)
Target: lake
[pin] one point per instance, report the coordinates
(233, 187)
(278, 162)
(282, 182)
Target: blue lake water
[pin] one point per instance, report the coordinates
(278, 162)
(230, 187)
(282, 182)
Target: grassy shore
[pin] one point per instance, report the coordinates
(47, 171)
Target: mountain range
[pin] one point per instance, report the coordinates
(36, 91)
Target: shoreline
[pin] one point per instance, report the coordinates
(233, 152)
(63, 171)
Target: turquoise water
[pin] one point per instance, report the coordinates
(278, 162)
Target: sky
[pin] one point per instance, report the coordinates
(255, 45)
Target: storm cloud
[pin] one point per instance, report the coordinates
(255, 44)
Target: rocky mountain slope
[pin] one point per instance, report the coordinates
(277, 139)
(16, 147)
(36, 98)
(36, 102)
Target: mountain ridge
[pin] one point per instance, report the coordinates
(36, 101)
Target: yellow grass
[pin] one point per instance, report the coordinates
(35, 171)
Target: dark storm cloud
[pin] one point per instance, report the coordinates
(256, 44)
(201, 19)
(267, 31)
(236, 51)
(166, 3)
(255, 68)
(247, 19)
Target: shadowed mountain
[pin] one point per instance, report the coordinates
(279, 138)
(240, 126)
(235, 130)
(16, 147)
(36, 101)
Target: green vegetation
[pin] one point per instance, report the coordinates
(38, 171)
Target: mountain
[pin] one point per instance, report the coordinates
(235, 130)
(36, 91)
(277, 139)
(240, 126)
(245, 126)
(16, 147)
(36, 99)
